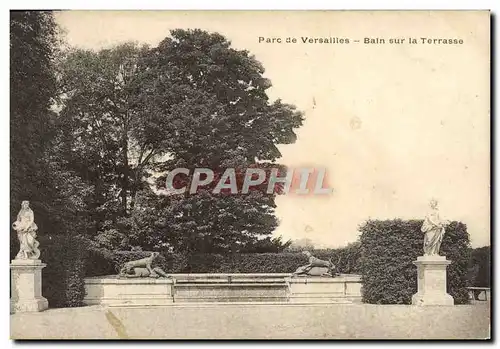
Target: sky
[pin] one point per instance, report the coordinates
(393, 125)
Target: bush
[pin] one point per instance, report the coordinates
(263, 263)
(203, 263)
(63, 277)
(100, 262)
(480, 267)
(388, 249)
(285, 262)
(346, 259)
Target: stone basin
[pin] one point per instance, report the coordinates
(222, 288)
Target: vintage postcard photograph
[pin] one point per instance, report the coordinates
(286, 175)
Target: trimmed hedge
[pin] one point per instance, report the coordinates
(63, 277)
(249, 263)
(388, 249)
(480, 267)
(346, 258)
(285, 262)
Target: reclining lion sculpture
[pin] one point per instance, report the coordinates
(142, 268)
(317, 267)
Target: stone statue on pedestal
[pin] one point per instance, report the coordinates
(434, 229)
(431, 267)
(26, 268)
(26, 233)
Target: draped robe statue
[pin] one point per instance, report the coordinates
(26, 233)
(434, 229)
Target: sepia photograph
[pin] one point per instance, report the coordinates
(260, 175)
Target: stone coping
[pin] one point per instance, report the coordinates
(324, 280)
(237, 284)
(240, 279)
(225, 275)
(113, 279)
(233, 275)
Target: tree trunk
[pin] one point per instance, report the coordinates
(98, 200)
(125, 178)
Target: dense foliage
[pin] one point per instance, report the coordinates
(388, 249)
(480, 267)
(37, 172)
(63, 277)
(131, 114)
(92, 134)
(33, 38)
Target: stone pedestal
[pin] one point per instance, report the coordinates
(431, 271)
(26, 286)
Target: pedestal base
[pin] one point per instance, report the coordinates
(26, 286)
(432, 299)
(21, 305)
(431, 271)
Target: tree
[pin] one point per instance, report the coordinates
(102, 139)
(37, 174)
(213, 97)
(33, 37)
(193, 101)
(267, 245)
(100, 120)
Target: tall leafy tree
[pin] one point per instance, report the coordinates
(101, 140)
(37, 173)
(215, 96)
(193, 101)
(33, 38)
(99, 120)
(213, 99)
